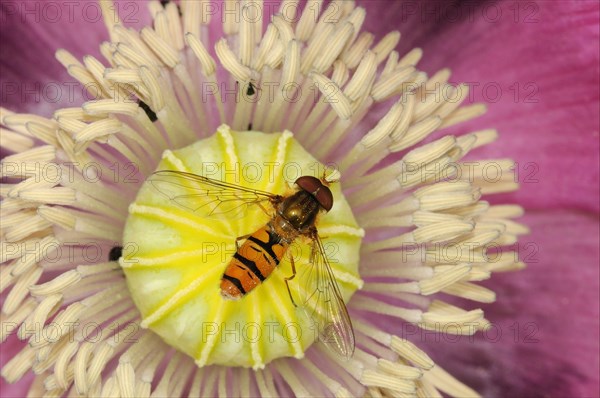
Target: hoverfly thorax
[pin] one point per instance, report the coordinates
(301, 209)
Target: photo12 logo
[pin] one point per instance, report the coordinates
(63, 12)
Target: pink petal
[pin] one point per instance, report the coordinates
(559, 134)
(545, 336)
(10, 348)
(555, 141)
(32, 80)
(546, 67)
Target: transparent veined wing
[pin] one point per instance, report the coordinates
(323, 302)
(205, 196)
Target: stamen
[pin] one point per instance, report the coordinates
(43, 132)
(316, 47)
(206, 61)
(399, 370)
(336, 42)
(411, 353)
(295, 384)
(55, 196)
(18, 365)
(16, 318)
(471, 291)
(44, 153)
(392, 84)
(453, 320)
(376, 379)
(291, 65)
(353, 55)
(384, 127)
(134, 47)
(412, 58)
(378, 307)
(339, 102)
(358, 86)
(285, 30)
(46, 309)
(229, 61)
(306, 24)
(15, 142)
(417, 132)
(329, 383)
(267, 43)
(440, 379)
(463, 114)
(30, 227)
(444, 279)
(56, 285)
(386, 45)
(442, 231)
(162, 49)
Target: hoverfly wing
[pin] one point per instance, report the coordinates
(323, 302)
(205, 196)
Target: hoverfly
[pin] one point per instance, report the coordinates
(292, 216)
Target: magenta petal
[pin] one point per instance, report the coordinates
(10, 348)
(536, 65)
(31, 79)
(558, 134)
(544, 342)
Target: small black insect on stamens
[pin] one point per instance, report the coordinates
(149, 112)
(250, 90)
(165, 2)
(115, 253)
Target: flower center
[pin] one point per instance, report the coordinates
(179, 240)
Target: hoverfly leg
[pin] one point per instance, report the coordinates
(289, 278)
(264, 209)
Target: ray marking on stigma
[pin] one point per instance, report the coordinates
(181, 165)
(278, 306)
(168, 217)
(337, 229)
(346, 277)
(162, 261)
(256, 317)
(281, 154)
(176, 162)
(226, 140)
(181, 297)
(217, 314)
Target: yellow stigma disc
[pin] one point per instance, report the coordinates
(174, 258)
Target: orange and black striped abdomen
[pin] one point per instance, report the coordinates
(252, 263)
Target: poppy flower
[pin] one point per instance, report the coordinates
(411, 178)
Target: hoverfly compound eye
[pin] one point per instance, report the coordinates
(315, 187)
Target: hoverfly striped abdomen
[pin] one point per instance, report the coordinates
(253, 262)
